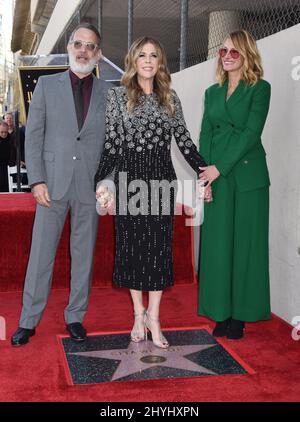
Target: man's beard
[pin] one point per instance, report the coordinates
(81, 68)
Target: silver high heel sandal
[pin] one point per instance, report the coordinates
(137, 335)
(161, 342)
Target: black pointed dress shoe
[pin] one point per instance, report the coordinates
(221, 328)
(77, 331)
(21, 336)
(236, 329)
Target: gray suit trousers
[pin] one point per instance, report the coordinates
(47, 229)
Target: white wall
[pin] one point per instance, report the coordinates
(281, 138)
(190, 85)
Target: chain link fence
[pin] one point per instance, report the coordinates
(207, 23)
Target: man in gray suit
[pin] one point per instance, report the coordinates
(64, 138)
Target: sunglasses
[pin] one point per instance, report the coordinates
(90, 46)
(233, 53)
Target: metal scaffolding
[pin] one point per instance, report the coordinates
(190, 30)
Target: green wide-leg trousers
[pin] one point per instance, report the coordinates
(234, 264)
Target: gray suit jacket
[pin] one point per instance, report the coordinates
(55, 149)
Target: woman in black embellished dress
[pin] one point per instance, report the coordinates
(141, 118)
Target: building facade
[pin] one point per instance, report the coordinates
(190, 30)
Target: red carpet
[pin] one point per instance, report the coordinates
(16, 220)
(35, 372)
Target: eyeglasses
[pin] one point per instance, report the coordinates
(233, 53)
(90, 46)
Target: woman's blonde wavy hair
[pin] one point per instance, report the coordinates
(162, 79)
(252, 69)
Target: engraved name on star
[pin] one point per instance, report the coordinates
(139, 357)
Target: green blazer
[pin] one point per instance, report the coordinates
(230, 136)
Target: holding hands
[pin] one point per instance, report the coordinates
(104, 197)
(209, 174)
(208, 197)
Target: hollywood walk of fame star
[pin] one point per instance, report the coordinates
(140, 356)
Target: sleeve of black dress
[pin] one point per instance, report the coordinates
(112, 142)
(183, 138)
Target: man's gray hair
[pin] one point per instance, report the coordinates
(86, 25)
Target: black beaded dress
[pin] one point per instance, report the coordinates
(138, 148)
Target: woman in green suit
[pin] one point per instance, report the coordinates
(234, 268)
